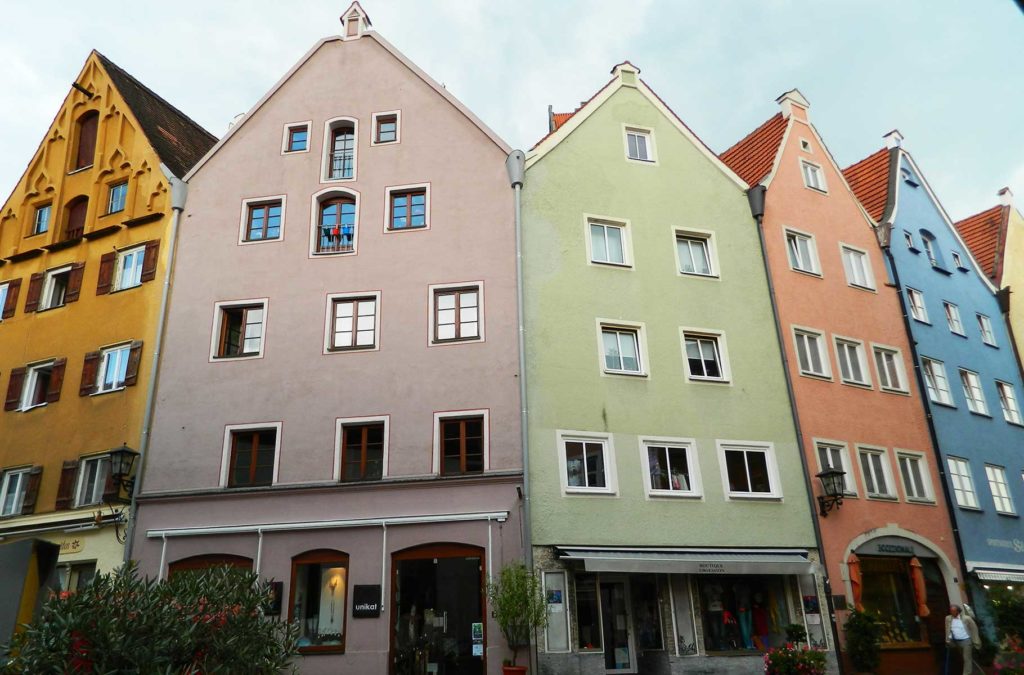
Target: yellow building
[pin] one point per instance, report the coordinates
(85, 240)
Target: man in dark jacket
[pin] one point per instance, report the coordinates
(962, 634)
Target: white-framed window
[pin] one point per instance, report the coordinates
(889, 366)
(705, 355)
(985, 327)
(41, 222)
(973, 392)
(608, 242)
(929, 249)
(587, 462)
(340, 149)
(12, 490)
(814, 177)
(1000, 489)
(810, 352)
(963, 482)
(957, 260)
(953, 318)
(1008, 402)
(113, 368)
(833, 455)
(858, 267)
(875, 472)
(3, 298)
(802, 251)
(639, 144)
(117, 198)
(908, 238)
(55, 287)
(914, 474)
(36, 385)
(456, 313)
(128, 269)
(556, 594)
(361, 448)
(295, 138)
(852, 366)
(622, 348)
(917, 306)
(387, 128)
(670, 467)
(696, 254)
(239, 329)
(749, 470)
(353, 322)
(251, 455)
(92, 480)
(935, 380)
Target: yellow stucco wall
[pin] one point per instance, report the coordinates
(1013, 275)
(77, 425)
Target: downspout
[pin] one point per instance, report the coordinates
(756, 200)
(179, 193)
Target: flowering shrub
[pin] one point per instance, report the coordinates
(1011, 658)
(789, 660)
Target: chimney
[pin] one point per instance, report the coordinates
(1006, 197)
(627, 73)
(793, 100)
(551, 118)
(893, 139)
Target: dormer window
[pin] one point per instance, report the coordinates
(340, 153)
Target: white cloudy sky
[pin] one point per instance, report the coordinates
(947, 73)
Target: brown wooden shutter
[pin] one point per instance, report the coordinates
(35, 289)
(106, 278)
(74, 282)
(131, 375)
(13, 286)
(77, 212)
(92, 362)
(56, 380)
(86, 139)
(111, 490)
(66, 486)
(14, 389)
(28, 505)
(150, 259)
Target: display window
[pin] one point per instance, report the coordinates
(318, 600)
(743, 613)
(906, 595)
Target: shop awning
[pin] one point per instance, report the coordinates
(1001, 576)
(690, 561)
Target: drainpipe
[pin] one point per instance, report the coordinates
(179, 193)
(756, 199)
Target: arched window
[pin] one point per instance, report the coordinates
(319, 599)
(932, 249)
(341, 155)
(336, 225)
(74, 222)
(87, 125)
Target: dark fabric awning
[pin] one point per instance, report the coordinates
(691, 561)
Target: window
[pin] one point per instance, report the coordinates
(858, 268)
(908, 177)
(694, 254)
(362, 451)
(75, 215)
(917, 308)
(973, 392)
(462, 445)
(813, 176)
(129, 268)
(385, 128)
(457, 314)
(889, 365)
(4, 293)
(337, 225)
(239, 330)
(586, 464)
(671, 468)
(408, 209)
(92, 480)
(748, 471)
(12, 491)
(556, 593)
(353, 323)
(936, 382)
(985, 326)
(76, 576)
(638, 145)
(805, 145)
(850, 355)
(117, 198)
(1000, 490)
(252, 458)
(607, 243)
(621, 349)
(341, 157)
(874, 467)
(833, 456)
(704, 357)
(113, 368)
(810, 353)
(957, 260)
(953, 318)
(297, 138)
(929, 248)
(802, 254)
(914, 472)
(55, 288)
(1008, 402)
(963, 484)
(588, 613)
(319, 600)
(41, 222)
(263, 221)
(909, 239)
(86, 149)
(37, 384)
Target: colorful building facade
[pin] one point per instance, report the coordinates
(84, 243)
(339, 398)
(964, 359)
(889, 545)
(670, 516)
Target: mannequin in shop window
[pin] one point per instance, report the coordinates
(715, 608)
(760, 615)
(744, 615)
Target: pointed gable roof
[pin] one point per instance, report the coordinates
(177, 139)
(869, 180)
(985, 236)
(753, 157)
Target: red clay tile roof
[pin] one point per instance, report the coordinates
(562, 118)
(565, 116)
(753, 157)
(985, 235)
(869, 180)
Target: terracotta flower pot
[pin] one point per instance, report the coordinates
(513, 670)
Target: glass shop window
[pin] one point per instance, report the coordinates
(319, 597)
(743, 613)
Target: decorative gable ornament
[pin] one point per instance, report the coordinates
(354, 22)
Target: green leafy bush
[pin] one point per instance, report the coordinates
(518, 604)
(863, 641)
(198, 622)
(1007, 612)
(789, 660)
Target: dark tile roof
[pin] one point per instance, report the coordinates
(177, 139)
(753, 157)
(869, 180)
(985, 235)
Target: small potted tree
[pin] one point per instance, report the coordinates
(863, 641)
(519, 607)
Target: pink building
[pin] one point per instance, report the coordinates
(338, 406)
(888, 547)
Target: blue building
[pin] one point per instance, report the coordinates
(964, 359)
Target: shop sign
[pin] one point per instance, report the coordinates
(711, 568)
(894, 546)
(68, 546)
(1016, 545)
(365, 601)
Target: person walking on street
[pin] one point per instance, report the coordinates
(962, 633)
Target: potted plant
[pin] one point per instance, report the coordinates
(519, 608)
(863, 641)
